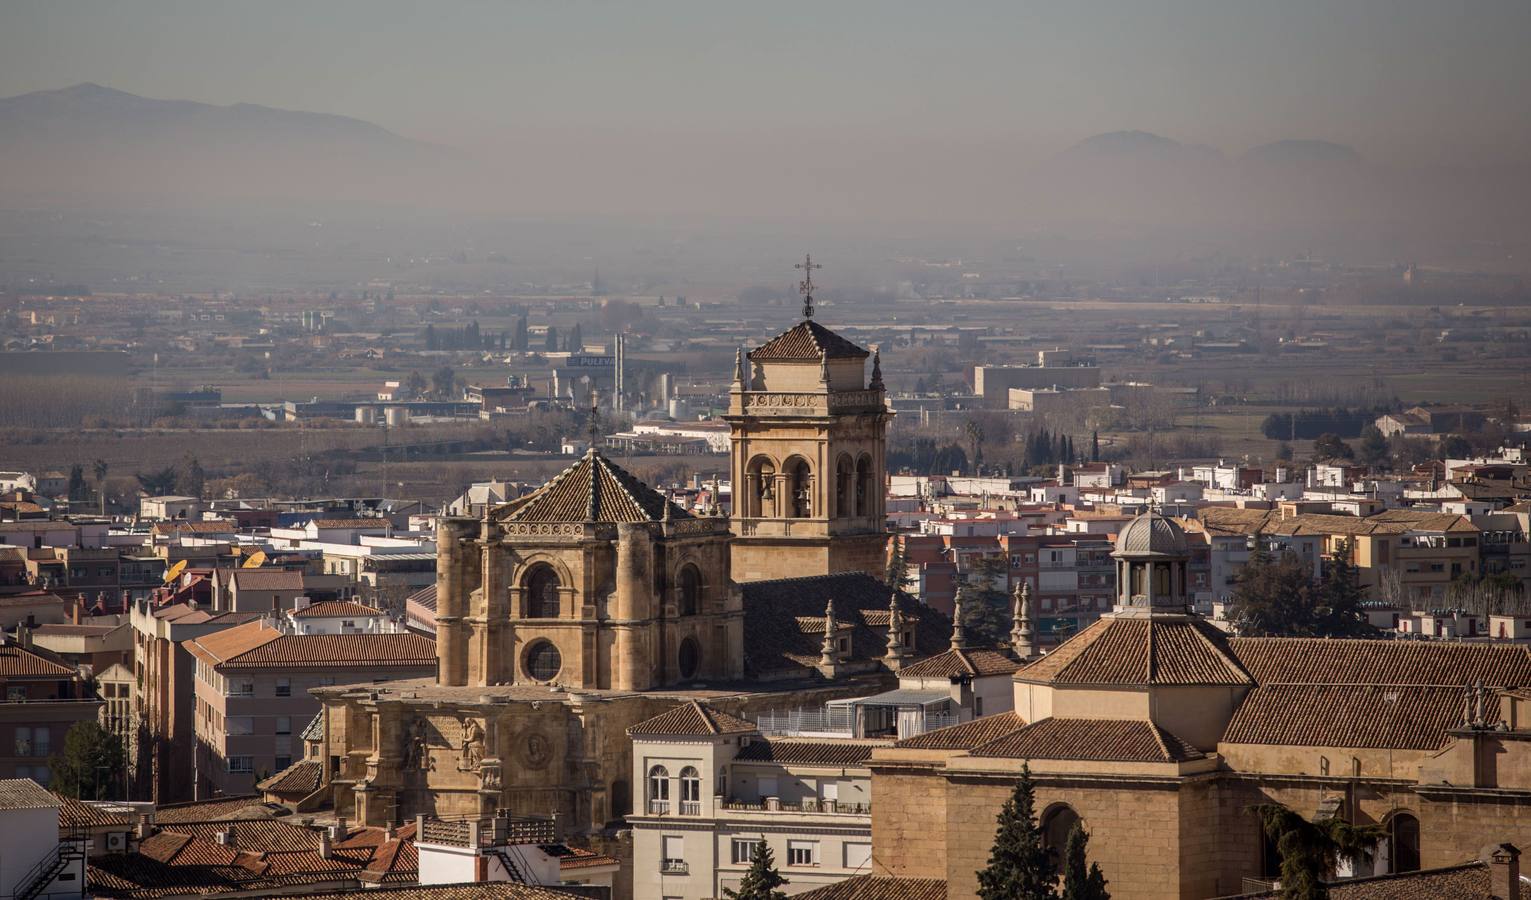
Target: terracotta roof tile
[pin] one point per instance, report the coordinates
(957, 663)
(967, 735)
(1141, 651)
(694, 718)
(222, 809)
(878, 887)
(489, 890)
(1113, 740)
(24, 793)
(267, 579)
(351, 523)
(16, 662)
(78, 814)
(336, 609)
(808, 753)
(298, 778)
(594, 482)
(805, 342)
(1361, 661)
(1392, 716)
(1465, 882)
(258, 645)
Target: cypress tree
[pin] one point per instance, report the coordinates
(1079, 882)
(1095, 446)
(762, 881)
(1019, 867)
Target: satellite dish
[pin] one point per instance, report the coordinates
(174, 572)
(256, 560)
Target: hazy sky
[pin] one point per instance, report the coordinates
(1401, 80)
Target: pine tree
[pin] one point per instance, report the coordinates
(1080, 883)
(1338, 612)
(551, 343)
(576, 340)
(896, 575)
(430, 338)
(1019, 867)
(77, 490)
(518, 337)
(762, 881)
(1310, 851)
(92, 759)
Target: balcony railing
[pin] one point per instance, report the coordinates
(838, 720)
(673, 867)
(659, 807)
(832, 807)
(690, 807)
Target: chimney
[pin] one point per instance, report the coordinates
(225, 836)
(326, 847)
(338, 830)
(145, 826)
(1504, 871)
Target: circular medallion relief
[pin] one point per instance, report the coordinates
(536, 751)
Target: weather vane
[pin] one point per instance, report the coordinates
(805, 287)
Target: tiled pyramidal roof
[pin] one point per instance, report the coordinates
(593, 489)
(806, 341)
(693, 718)
(1141, 651)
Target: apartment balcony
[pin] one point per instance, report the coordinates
(674, 867)
(659, 807)
(690, 807)
(773, 805)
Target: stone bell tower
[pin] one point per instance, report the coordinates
(809, 448)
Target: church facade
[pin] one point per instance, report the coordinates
(567, 616)
(1159, 733)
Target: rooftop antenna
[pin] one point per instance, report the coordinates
(805, 287)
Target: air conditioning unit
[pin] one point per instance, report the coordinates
(117, 841)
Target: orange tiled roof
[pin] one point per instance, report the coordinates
(593, 489)
(1106, 740)
(806, 342)
(258, 645)
(299, 778)
(1141, 651)
(1360, 661)
(967, 735)
(267, 579)
(17, 662)
(809, 753)
(694, 718)
(336, 609)
(1312, 715)
(957, 663)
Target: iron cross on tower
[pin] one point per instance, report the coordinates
(805, 287)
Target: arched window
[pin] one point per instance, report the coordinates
(800, 482)
(760, 496)
(689, 657)
(690, 792)
(690, 591)
(1403, 840)
(864, 486)
(541, 591)
(543, 661)
(659, 791)
(1057, 822)
(845, 487)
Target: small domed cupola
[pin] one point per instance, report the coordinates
(1151, 560)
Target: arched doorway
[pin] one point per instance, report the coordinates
(1403, 842)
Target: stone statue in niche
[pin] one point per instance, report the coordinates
(489, 778)
(416, 747)
(472, 746)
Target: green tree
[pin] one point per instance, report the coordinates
(442, 382)
(550, 343)
(762, 881)
(986, 601)
(416, 385)
(189, 478)
(431, 342)
(1019, 866)
(1284, 452)
(77, 489)
(1079, 882)
(1276, 597)
(1329, 446)
(1310, 851)
(157, 484)
(1373, 448)
(92, 762)
(99, 469)
(1095, 446)
(1456, 447)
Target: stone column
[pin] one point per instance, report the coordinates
(451, 652)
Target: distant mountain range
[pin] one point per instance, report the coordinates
(1144, 146)
(90, 112)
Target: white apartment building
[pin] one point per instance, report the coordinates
(713, 788)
